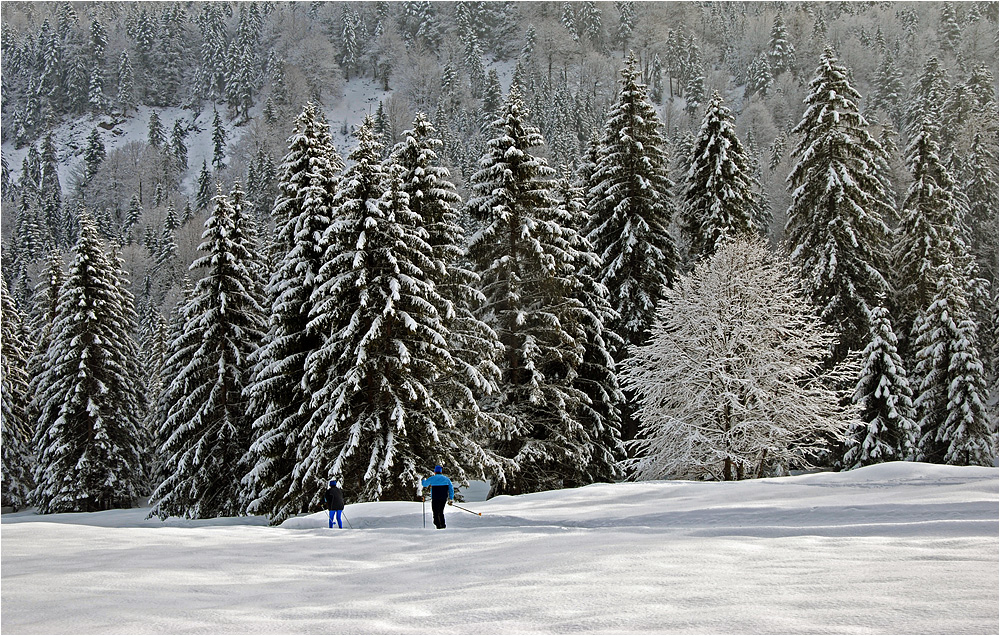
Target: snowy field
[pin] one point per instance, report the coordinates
(896, 548)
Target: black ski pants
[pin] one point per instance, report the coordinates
(437, 505)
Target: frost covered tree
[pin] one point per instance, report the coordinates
(717, 195)
(206, 432)
(733, 382)
(16, 430)
(631, 209)
(885, 430)
(951, 394)
(88, 395)
(279, 394)
(526, 266)
(836, 229)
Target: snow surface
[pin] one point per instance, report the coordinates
(894, 548)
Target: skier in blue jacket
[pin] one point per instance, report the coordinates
(441, 492)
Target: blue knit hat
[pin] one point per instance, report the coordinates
(437, 470)
(333, 482)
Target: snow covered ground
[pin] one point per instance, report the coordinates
(896, 548)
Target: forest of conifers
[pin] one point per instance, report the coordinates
(569, 242)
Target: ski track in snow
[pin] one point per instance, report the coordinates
(896, 548)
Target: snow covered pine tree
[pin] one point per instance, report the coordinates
(631, 209)
(206, 432)
(527, 268)
(840, 196)
(279, 396)
(15, 429)
(88, 396)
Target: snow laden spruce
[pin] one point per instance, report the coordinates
(278, 393)
(16, 446)
(205, 433)
(836, 228)
(89, 400)
(733, 382)
(527, 257)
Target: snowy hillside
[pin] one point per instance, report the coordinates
(894, 548)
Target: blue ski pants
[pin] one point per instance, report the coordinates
(340, 524)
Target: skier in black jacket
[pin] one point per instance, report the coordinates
(334, 500)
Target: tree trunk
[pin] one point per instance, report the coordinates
(763, 459)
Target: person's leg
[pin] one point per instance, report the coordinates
(331, 518)
(438, 507)
(340, 523)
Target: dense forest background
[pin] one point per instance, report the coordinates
(142, 113)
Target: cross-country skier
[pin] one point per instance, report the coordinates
(334, 500)
(441, 492)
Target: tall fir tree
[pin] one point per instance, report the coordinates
(780, 52)
(951, 398)
(717, 193)
(526, 267)
(177, 146)
(982, 188)
(888, 91)
(886, 430)
(95, 153)
(836, 229)
(927, 96)
(88, 395)
(126, 84)
(219, 137)
(202, 197)
(280, 395)
(379, 423)
(206, 433)
(929, 234)
(630, 201)
(474, 346)
(16, 431)
(157, 135)
(596, 377)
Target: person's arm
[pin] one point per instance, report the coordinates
(451, 491)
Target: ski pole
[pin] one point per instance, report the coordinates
(348, 521)
(467, 510)
(423, 505)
